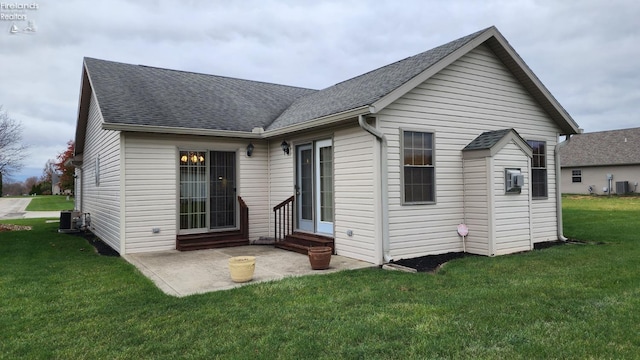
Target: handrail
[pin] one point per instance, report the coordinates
(283, 218)
(244, 218)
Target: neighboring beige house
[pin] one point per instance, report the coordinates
(598, 161)
(381, 167)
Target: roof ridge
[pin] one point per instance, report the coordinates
(443, 46)
(197, 73)
(222, 77)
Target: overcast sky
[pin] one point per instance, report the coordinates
(587, 52)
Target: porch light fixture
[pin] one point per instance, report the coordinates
(193, 157)
(250, 148)
(285, 147)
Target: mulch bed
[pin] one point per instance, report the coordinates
(430, 263)
(99, 245)
(547, 244)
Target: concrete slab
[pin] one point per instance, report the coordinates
(14, 208)
(185, 273)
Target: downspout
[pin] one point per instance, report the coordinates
(559, 190)
(384, 185)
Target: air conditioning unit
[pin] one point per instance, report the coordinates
(513, 181)
(70, 221)
(622, 187)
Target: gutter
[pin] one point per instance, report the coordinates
(180, 131)
(561, 237)
(384, 186)
(306, 125)
(321, 121)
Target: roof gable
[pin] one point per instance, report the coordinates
(490, 143)
(366, 89)
(142, 98)
(377, 89)
(614, 147)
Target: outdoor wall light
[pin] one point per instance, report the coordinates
(250, 148)
(285, 147)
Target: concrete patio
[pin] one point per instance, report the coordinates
(192, 272)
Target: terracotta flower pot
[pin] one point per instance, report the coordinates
(320, 257)
(242, 268)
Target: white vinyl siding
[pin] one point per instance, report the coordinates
(357, 189)
(151, 186)
(150, 201)
(478, 205)
(254, 187)
(473, 95)
(280, 178)
(511, 211)
(102, 200)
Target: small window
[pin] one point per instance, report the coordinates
(538, 169)
(418, 167)
(576, 176)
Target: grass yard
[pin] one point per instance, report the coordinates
(61, 300)
(50, 203)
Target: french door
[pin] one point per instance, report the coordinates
(314, 187)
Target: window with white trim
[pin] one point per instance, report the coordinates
(538, 169)
(576, 176)
(418, 168)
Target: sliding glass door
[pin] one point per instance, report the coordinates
(207, 190)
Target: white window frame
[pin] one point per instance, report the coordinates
(403, 166)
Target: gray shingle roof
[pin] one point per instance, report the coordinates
(365, 89)
(142, 95)
(615, 147)
(486, 140)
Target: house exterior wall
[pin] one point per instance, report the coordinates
(100, 192)
(596, 176)
(281, 177)
(151, 186)
(356, 187)
(357, 194)
(473, 95)
(478, 205)
(512, 212)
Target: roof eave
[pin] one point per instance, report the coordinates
(318, 122)
(430, 71)
(83, 110)
(179, 130)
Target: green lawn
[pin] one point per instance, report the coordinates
(61, 300)
(50, 203)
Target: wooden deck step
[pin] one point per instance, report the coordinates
(210, 240)
(301, 242)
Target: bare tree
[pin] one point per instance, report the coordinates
(11, 147)
(30, 184)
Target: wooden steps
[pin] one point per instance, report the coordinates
(301, 242)
(211, 240)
